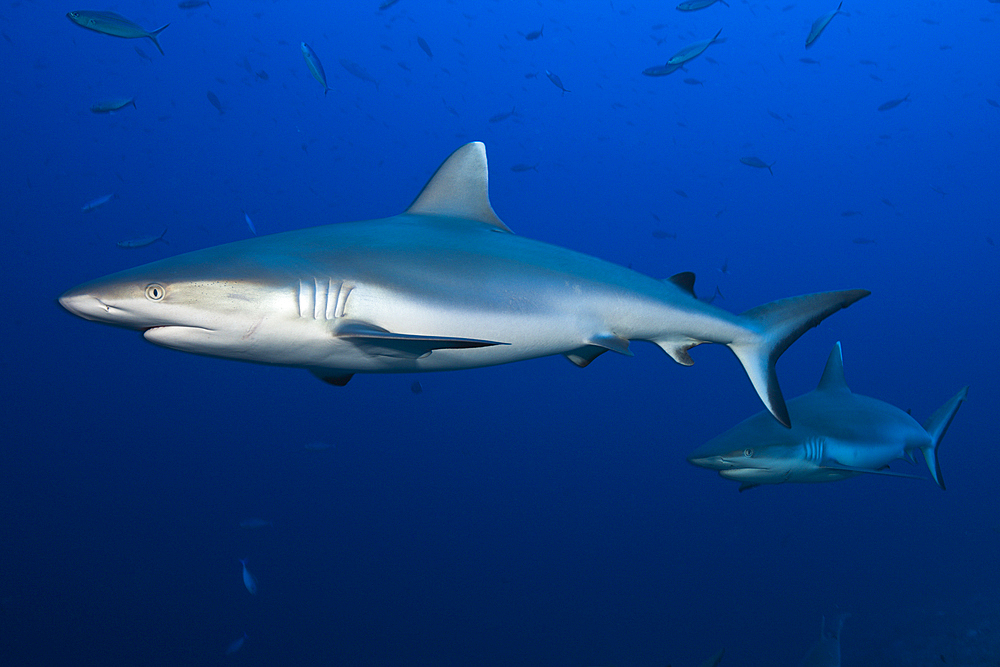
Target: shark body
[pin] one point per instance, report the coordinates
(445, 285)
(835, 434)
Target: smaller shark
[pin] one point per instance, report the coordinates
(835, 434)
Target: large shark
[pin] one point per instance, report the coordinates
(445, 285)
(836, 434)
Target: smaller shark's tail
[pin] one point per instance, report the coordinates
(936, 426)
(779, 324)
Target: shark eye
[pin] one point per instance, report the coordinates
(154, 291)
(748, 452)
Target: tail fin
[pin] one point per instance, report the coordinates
(152, 37)
(779, 324)
(936, 426)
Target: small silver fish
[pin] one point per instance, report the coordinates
(556, 81)
(317, 446)
(534, 34)
(315, 66)
(819, 25)
(694, 5)
(246, 216)
(693, 51)
(522, 167)
(248, 579)
(238, 643)
(213, 99)
(424, 46)
(661, 70)
(97, 203)
(757, 162)
(358, 71)
(116, 25)
(892, 104)
(144, 241)
(503, 115)
(110, 106)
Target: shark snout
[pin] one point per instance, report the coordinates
(710, 461)
(83, 304)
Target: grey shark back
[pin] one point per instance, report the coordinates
(443, 286)
(835, 434)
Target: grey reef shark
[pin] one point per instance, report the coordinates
(835, 434)
(444, 285)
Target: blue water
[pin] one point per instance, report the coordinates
(534, 513)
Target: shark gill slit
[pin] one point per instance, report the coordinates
(814, 450)
(322, 298)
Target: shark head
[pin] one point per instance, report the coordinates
(174, 303)
(745, 456)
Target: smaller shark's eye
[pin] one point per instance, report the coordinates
(748, 453)
(154, 291)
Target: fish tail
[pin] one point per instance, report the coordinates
(152, 38)
(777, 325)
(936, 426)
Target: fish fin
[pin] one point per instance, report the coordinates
(777, 325)
(936, 426)
(460, 189)
(332, 377)
(582, 356)
(678, 349)
(376, 341)
(831, 465)
(611, 342)
(152, 38)
(685, 281)
(833, 374)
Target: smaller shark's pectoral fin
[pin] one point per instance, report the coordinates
(376, 341)
(867, 471)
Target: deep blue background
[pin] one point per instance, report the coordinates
(534, 513)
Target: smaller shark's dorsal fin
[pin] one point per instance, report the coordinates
(459, 189)
(833, 374)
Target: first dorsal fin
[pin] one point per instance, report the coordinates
(459, 189)
(833, 374)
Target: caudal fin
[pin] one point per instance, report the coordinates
(152, 37)
(936, 426)
(778, 325)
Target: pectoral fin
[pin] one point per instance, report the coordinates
(376, 341)
(869, 471)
